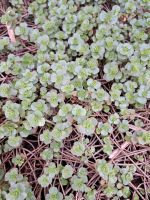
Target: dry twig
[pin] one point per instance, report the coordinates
(116, 152)
(11, 33)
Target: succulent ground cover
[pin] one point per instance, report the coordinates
(75, 100)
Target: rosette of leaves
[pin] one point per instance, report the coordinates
(78, 148)
(10, 16)
(14, 141)
(43, 42)
(123, 126)
(12, 111)
(13, 177)
(61, 131)
(54, 194)
(100, 95)
(96, 106)
(47, 154)
(145, 52)
(19, 187)
(125, 50)
(107, 171)
(116, 91)
(49, 173)
(134, 68)
(91, 194)
(107, 147)
(18, 159)
(8, 129)
(78, 111)
(114, 118)
(104, 128)
(127, 174)
(26, 89)
(111, 70)
(39, 106)
(35, 119)
(78, 182)
(67, 172)
(44, 180)
(17, 3)
(130, 7)
(17, 191)
(143, 137)
(68, 89)
(97, 50)
(46, 136)
(60, 79)
(6, 90)
(93, 84)
(110, 17)
(22, 30)
(143, 94)
(88, 126)
(76, 42)
(65, 110)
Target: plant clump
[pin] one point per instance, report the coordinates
(75, 99)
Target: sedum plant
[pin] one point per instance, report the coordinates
(18, 160)
(12, 111)
(54, 194)
(19, 187)
(74, 87)
(67, 171)
(88, 126)
(78, 149)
